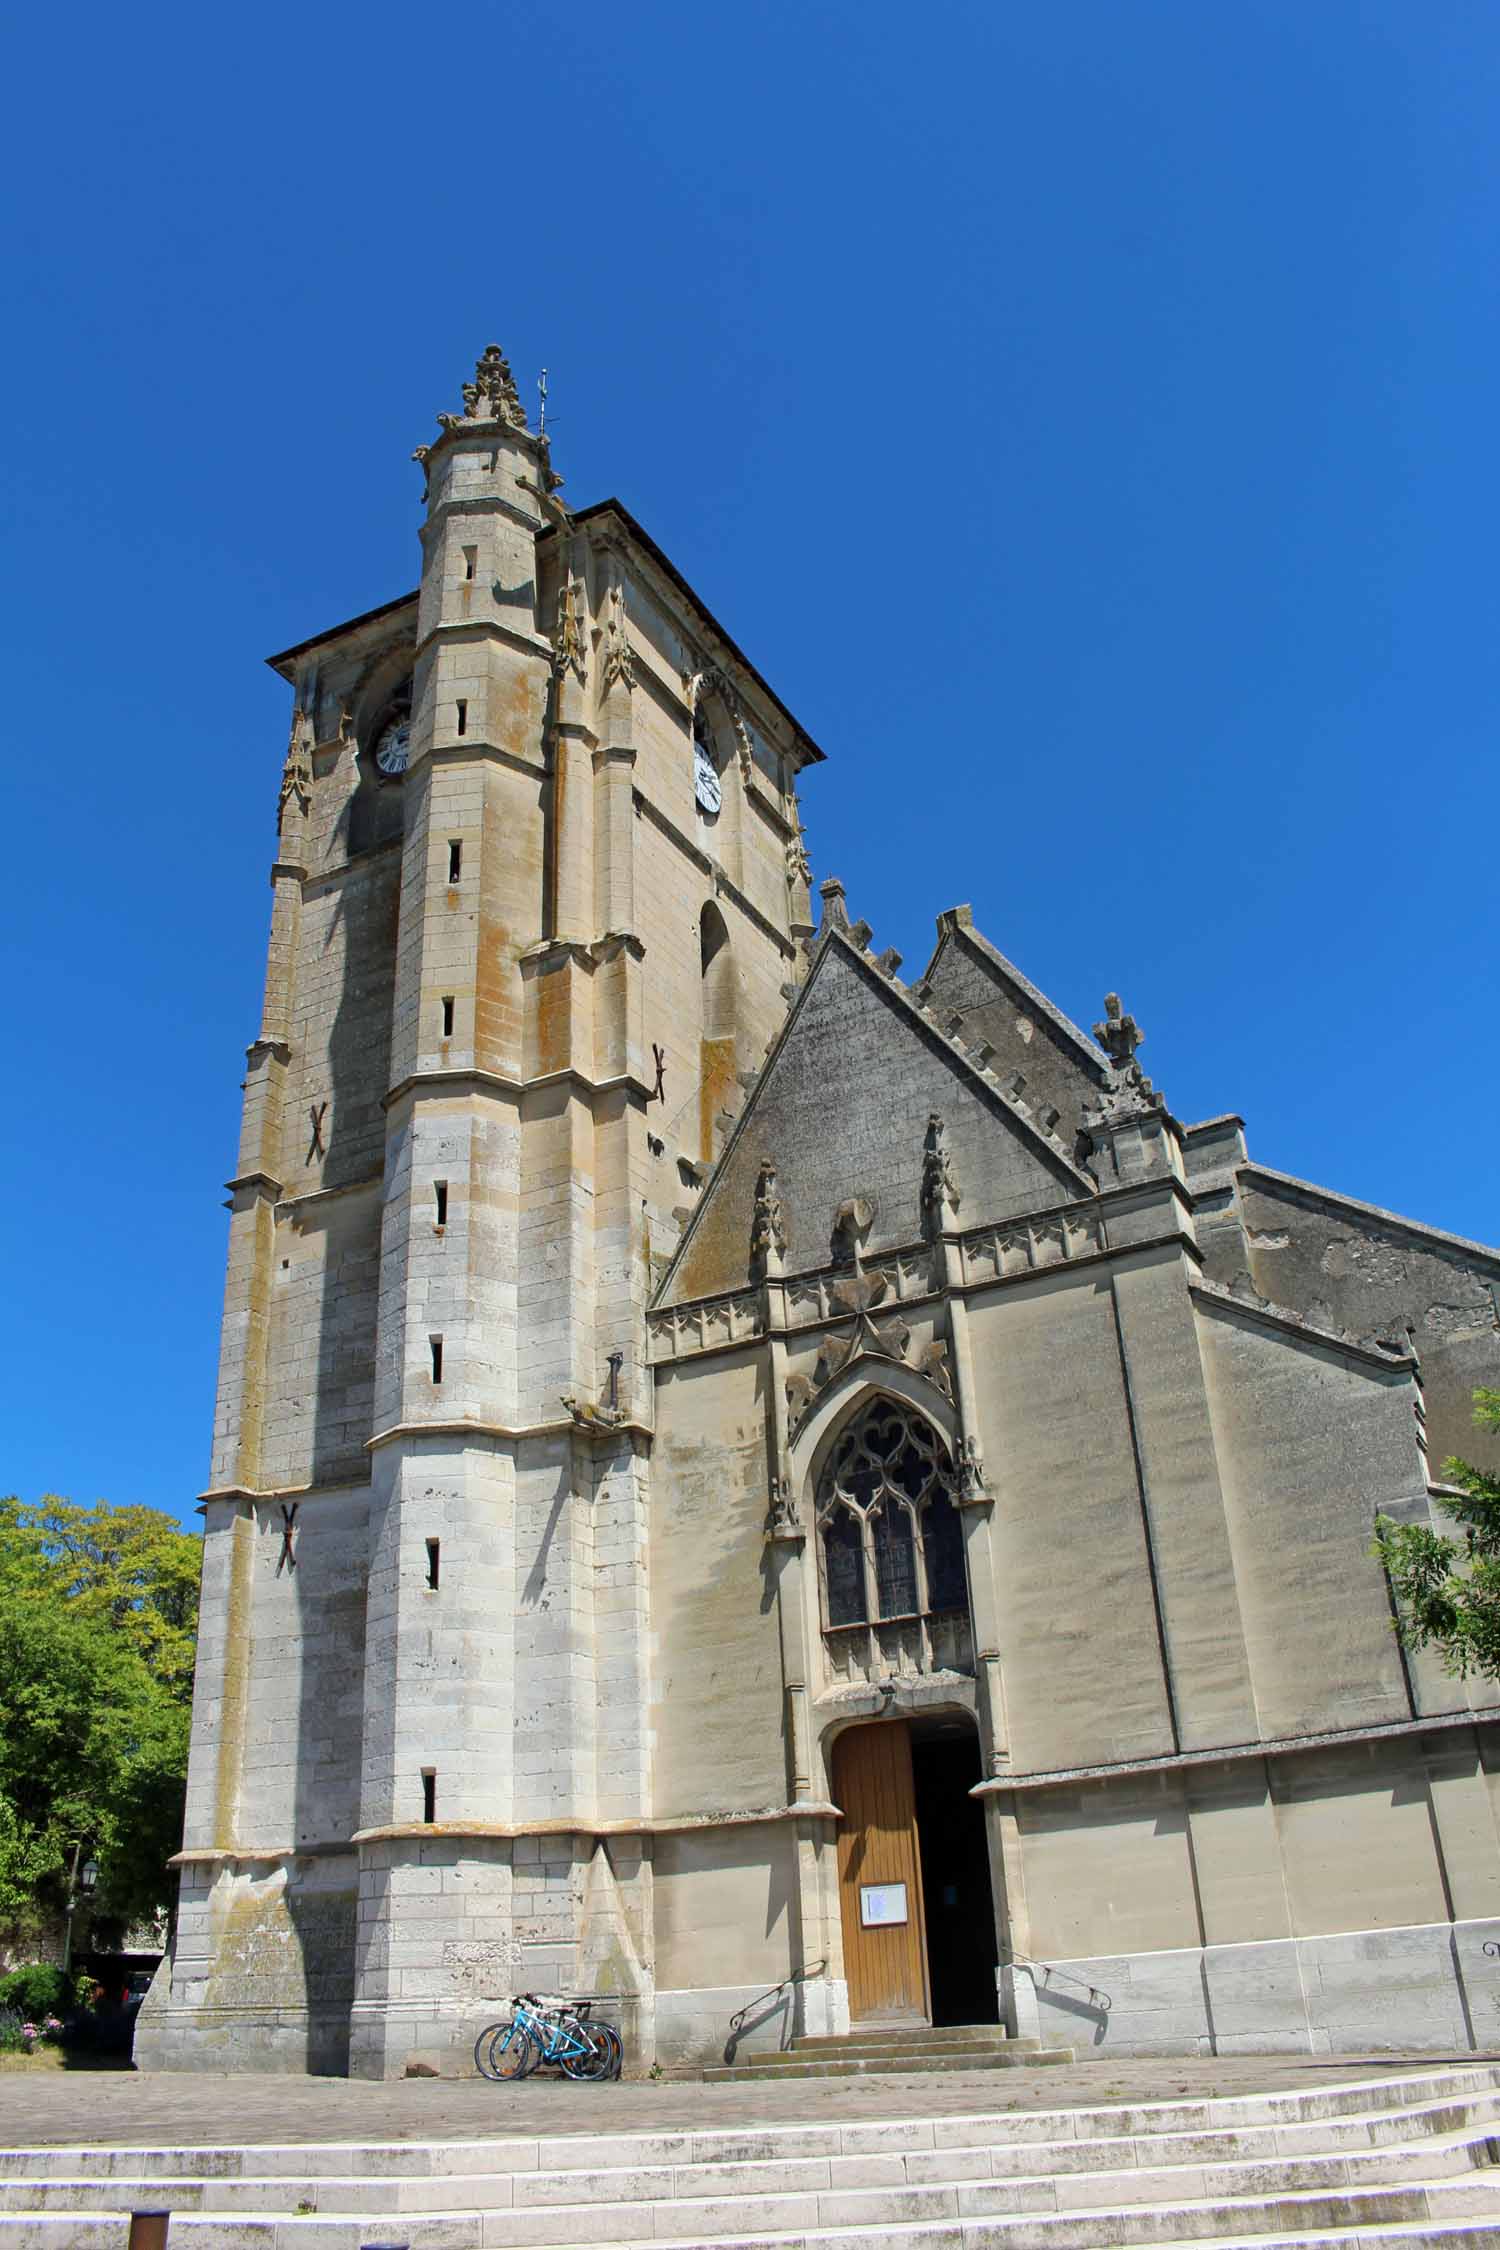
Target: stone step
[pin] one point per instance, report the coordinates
(1260, 2124)
(1017, 2055)
(798, 2057)
(1422, 2213)
(920, 2035)
(850, 2190)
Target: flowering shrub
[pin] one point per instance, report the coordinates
(20, 2035)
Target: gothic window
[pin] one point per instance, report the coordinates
(891, 1541)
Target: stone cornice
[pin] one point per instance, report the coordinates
(261, 1182)
(504, 1831)
(291, 1204)
(475, 504)
(1266, 1315)
(1333, 1738)
(486, 629)
(1064, 1237)
(673, 1824)
(510, 1433)
(497, 1082)
(256, 1496)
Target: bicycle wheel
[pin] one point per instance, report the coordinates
(616, 2049)
(482, 2047)
(512, 2052)
(586, 2055)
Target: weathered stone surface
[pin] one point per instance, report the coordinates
(586, 1219)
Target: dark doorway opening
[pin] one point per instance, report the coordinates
(959, 1905)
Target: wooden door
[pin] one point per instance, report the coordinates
(880, 1874)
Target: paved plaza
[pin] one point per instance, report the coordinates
(127, 2108)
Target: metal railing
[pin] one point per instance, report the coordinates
(798, 1976)
(1097, 1999)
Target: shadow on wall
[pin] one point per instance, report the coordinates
(1074, 2005)
(321, 1898)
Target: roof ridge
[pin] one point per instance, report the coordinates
(958, 922)
(1373, 1210)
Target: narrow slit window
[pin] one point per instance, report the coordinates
(463, 716)
(433, 1546)
(440, 1198)
(471, 561)
(448, 1015)
(429, 1795)
(436, 1343)
(455, 862)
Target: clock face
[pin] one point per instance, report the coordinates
(706, 785)
(394, 748)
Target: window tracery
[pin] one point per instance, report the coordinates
(890, 1545)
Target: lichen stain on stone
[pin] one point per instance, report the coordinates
(273, 1953)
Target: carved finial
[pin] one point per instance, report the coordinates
(492, 396)
(835, 910)
(798, 866)
(567, 641)
(297, 772)
(619, 657)
(767, 1227)
(940, 1196)
(785, 1519)
(1119, 1035)
(967, 1483)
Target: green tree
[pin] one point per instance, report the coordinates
(98, 1608)
(1447, 1589)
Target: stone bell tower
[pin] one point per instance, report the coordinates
(523, 812)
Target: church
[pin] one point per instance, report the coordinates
(784, 1497)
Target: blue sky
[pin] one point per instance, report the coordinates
(1082, 413)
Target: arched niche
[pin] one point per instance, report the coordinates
(377, 809)
(716, 736)
(718, 1038)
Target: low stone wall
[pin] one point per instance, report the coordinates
(1429, 1988)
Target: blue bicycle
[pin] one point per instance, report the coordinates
(545, 2028)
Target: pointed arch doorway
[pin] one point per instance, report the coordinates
(915, 1895)
(915, 1898)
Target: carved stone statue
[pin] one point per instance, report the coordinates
(767, 1226)
(568, 649)
(297, 773)
(940, 1196)
(786, 1517)
(619, 657)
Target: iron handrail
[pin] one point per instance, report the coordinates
(798, 1976)
(1097, 1999)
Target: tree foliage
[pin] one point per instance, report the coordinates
(1447, 1589)
(98, 1610)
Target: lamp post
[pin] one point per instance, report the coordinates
(80, 1879)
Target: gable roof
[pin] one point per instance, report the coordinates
(836, 1111)
(956, 927)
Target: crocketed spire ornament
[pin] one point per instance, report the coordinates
(1120, 1035)
(767, 1226)
(940, 1196)
(492, 396)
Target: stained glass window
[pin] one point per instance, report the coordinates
(889, 1473)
